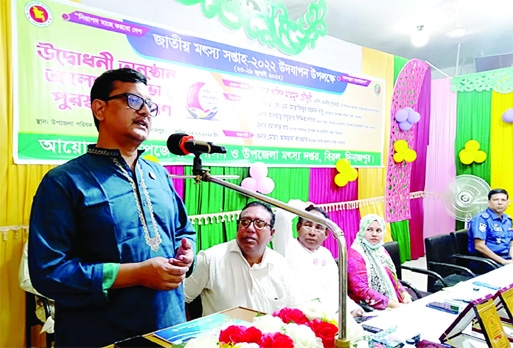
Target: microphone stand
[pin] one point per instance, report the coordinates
(341, 340)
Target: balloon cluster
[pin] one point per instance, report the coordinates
(258, 180)
(403, 153)
(345, 172)
(508, 116)
(406, 118)
(471, 153)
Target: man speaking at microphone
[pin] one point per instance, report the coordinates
(110, 240)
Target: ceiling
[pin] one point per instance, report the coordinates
(387, 25)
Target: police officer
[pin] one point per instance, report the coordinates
(491, 233)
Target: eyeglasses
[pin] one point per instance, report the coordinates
(259, 224)
(309, 225)
(136, 102)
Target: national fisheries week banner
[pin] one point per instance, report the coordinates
(261, 107)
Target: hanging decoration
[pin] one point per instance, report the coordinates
(268, 22)
(403, 152)
(406, 118)
(345, 172)
(508, 116)
(471, 153)
(258, 180)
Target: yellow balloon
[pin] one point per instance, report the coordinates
(400, 145)
(472, 145)
(479, 156)
(340, 180)
(343, 165)
(352, 174)
(398, 157)
(410, 155)
(466, 157)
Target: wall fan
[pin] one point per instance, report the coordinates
(466, 196)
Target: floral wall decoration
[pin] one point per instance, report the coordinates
(345, 172)
(406, 118)
(258, 180)
(471, 153)
(403, 152)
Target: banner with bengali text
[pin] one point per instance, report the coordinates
(261, 107)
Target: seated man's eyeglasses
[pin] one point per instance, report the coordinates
(310, 225)
(259, 224)
(136, 102)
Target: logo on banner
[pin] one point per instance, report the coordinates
(38, 14)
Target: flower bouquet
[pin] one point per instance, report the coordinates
(286, 328)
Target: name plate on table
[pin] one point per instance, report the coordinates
(480, 321)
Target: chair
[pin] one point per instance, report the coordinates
(34, 324)
(442, 258)
(194, 309)
(394, 251)
(460, 238)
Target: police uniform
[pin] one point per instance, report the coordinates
(497, 232)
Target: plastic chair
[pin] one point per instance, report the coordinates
(460, 238)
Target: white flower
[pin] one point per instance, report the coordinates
(204, 341)
(316, 310)
(302, 336)
(268, 323)
(246, 345)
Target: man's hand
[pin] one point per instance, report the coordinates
(184, 255)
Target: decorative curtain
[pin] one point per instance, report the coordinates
(501, 146)
(440, 163)
(418, 169)
(371, 181)
(324, 190)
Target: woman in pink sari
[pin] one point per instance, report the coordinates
(372, 277)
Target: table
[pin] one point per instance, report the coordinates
(430, 323)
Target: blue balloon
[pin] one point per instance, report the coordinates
(508, 116)
(405, 125)
(413, 116)
(401, 115)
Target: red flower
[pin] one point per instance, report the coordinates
(291, 315)
(325, 331)
(239, 333)
(276, 340)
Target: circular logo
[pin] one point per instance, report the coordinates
(377, 89)
(38, 14)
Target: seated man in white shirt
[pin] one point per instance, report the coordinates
(314, 267)
(244, 272)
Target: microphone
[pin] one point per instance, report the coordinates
(182, 144)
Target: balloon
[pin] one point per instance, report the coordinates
(265, 185)
(352, 174)
(413, 117)
(249, 183)
(398, 157)
(340, 180)
(408, 109)
(410, 155)
(258, 170)
(400, 145)
(343, 165)
(466, 157)
(405, 125)
(472, 145)
(508, 116)
(401, 115)
(480, 156)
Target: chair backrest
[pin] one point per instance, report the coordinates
(395, 254)
(460, 238)
(440, 248)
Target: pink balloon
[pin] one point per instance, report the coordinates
(249, 183)
(401, 115)
(265, 185)
(258, 170)
(413, 117)
(405, 125)
(508, 116)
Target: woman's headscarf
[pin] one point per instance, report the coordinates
(376, 258)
